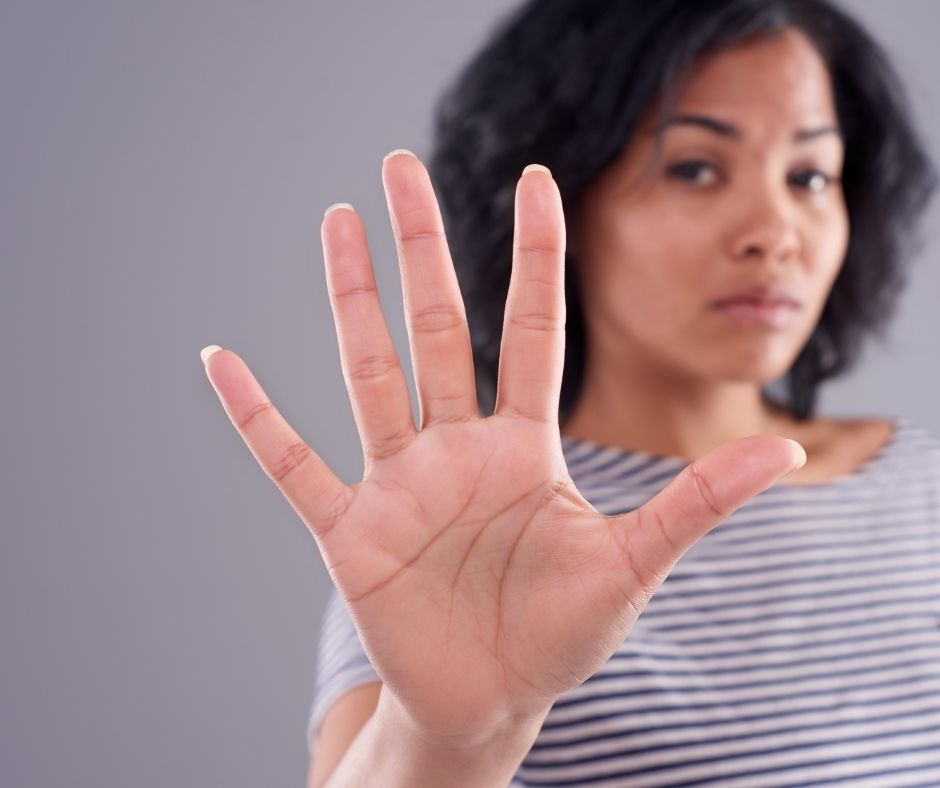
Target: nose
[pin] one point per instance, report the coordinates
(767, 229)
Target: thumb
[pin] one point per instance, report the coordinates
(657, 534)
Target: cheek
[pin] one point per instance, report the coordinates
(829, 245)
(653, 265)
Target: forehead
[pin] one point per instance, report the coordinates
(774, 82)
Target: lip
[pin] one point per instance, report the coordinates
(761, 313)
(768, 294)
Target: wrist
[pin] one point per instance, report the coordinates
(485, 758)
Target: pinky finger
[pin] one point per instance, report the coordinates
(307, 482)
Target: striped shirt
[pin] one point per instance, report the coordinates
(796, 644)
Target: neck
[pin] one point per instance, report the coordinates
(653, 410)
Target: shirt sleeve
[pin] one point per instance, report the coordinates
(341, 663)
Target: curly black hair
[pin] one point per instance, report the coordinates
(566, 82)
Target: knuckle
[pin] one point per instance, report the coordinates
(646, 573)
(459, 417)
(251, 415)
(663, 530)
(332, 515)
(646, 578)
(539, 250)
(515, 410)
(293, 458)
(430, 235)
(705, 491)
(422, 220)
(364, 288)
(436, 319)
(372, 367)
(386, 446)
(536, 321)
(459, 395)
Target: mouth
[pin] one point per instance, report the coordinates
(760, 312)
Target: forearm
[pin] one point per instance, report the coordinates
(388, 753)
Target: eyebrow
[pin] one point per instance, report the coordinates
(732, 132)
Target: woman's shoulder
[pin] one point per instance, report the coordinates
(857, 441)
(901, 441)
(842, 449)
(838, 447)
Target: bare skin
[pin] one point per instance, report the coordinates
(658, 245)
(482, 584)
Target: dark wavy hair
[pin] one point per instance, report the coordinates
(565, 83)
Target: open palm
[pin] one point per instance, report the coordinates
(482, 584)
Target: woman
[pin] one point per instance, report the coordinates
(738, 179)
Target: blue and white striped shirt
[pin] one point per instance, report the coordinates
(797, 644)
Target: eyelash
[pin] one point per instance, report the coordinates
(676, 169)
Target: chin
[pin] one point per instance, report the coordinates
(755, 367)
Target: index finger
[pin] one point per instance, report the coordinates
(434, 310)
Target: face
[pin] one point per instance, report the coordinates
(744, 194)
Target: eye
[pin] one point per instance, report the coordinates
(700, 172)
(814, 180)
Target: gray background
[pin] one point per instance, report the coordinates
(163, 171)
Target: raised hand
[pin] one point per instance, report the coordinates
(482, 584)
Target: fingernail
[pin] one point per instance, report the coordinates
(396, 152)
(207, 351)
(799, 455)
(336, 205)
(537, 168)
